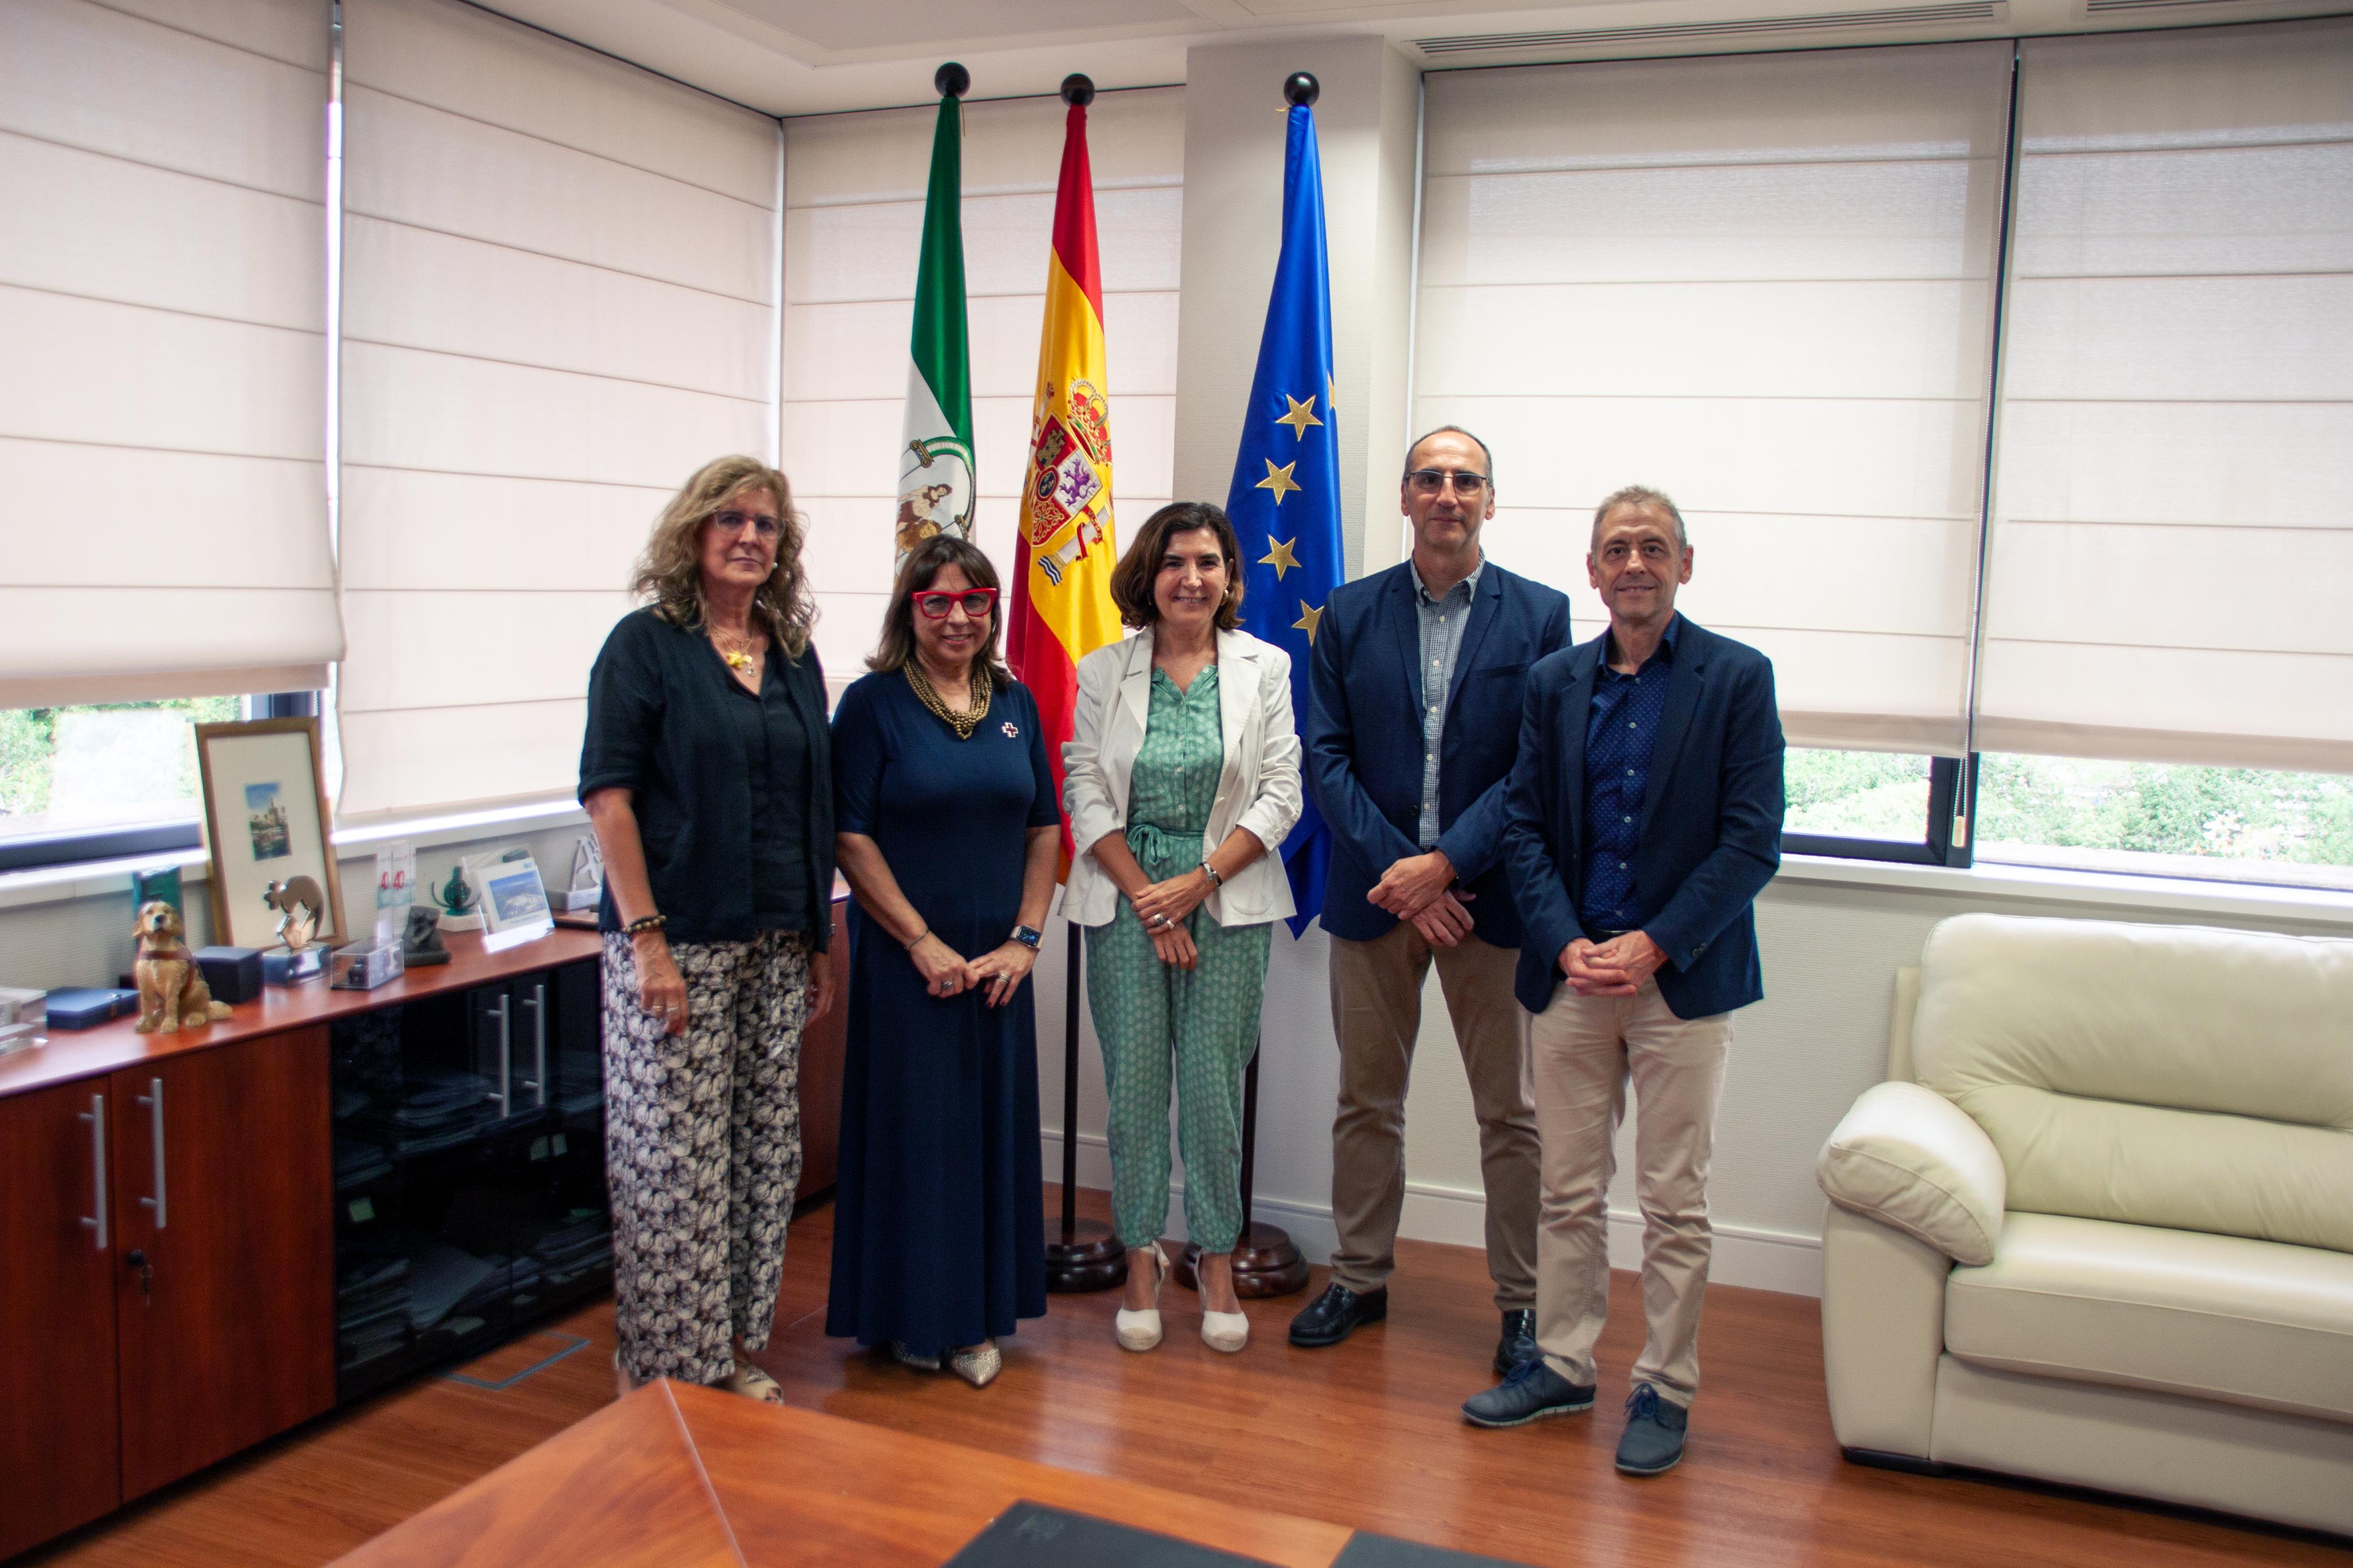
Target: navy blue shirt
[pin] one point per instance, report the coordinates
(733, 790)
(1620, 733)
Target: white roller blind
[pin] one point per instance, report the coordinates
(162, 416)
(2172, 560)
(1763, 284)
(853, 217)
(559, 301)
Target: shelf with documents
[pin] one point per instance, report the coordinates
(469, 1186)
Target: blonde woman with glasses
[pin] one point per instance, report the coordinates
(707, 771)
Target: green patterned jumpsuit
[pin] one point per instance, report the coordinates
(1148, 1013)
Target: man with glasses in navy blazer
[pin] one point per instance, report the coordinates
(1643, 818)
(1416, 678)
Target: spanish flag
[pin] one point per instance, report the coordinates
(1063, 609)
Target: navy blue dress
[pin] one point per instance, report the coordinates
(938, 1228)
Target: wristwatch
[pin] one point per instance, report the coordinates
(1029, 936)
(1214, 881)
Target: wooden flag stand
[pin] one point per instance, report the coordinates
(1085, 1255)
(1266, 1261)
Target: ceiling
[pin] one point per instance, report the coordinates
(812, 57)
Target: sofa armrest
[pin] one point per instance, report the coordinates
(1909, 1158)
(1882, 1332)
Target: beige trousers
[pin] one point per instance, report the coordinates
(1585, 1049)
(1376, 1013)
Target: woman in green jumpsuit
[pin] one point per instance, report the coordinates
(1182, 775)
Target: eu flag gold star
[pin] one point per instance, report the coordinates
(1302, 415)
(1278, 554)
(1279, 480)
(1306, 621)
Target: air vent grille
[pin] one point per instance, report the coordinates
(1667, 32)
(2100, 7)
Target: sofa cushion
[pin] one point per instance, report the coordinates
(2218, 1317)
(1907, 1157)
(2171, 1076)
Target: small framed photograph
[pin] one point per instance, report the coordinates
(514, 900)
(266, 821)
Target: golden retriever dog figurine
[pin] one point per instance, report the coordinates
(172, 990)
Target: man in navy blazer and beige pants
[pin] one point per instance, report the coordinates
(1416, 681)
(1643, 818)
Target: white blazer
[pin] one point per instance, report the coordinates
(1259, 788)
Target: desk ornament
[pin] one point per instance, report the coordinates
(587, 889)
(172, 995)
(420, 945)
(299, 903)
(460, 910)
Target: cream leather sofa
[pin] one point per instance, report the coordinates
(2097, 1226)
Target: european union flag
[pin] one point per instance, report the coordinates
(1285, 500)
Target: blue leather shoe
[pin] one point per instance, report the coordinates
(1653, 1441)
(1532, 1392)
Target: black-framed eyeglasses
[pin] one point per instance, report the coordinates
(935, 603)
(1429, 481)
(766, 525)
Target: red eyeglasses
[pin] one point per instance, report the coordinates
(935, 603)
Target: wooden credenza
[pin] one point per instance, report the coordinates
(172, 1225)
(209, 1238)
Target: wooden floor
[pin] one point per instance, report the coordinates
(1365, 1435)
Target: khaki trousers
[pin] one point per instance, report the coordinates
(1376, 1013)
(1585, 1049)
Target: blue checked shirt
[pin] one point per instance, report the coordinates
(1620, 733)
(1442, 623)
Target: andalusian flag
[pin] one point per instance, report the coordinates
(936, 480)
(1062, 608)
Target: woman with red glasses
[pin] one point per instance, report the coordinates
(949, 834)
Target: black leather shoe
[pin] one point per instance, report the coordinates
(1335, 1314)
(1518, 1343)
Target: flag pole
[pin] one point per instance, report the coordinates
(1084, 1254)
(1266, 1262)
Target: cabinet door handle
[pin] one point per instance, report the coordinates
(537, 1003)
(95, 1117)
(506, 1056)
(153, 1100)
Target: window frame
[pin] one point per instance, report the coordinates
(1946, 838)
(155, 840)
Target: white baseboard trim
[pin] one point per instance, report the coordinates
(1747, 1256)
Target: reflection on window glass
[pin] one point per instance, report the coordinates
(1857, 795)
(91, 769)
(2246, 825)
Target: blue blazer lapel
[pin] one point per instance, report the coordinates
(1486, 605)
(1398, 609)
(1576, 708)
(1682, 701)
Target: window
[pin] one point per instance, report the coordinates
(1879, 805)
(84, 783)
(2249, 825)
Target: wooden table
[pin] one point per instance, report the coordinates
(682, 1476)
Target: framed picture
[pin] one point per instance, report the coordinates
(266, 820)
(514, 903)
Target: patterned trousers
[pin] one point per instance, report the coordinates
(1148, 1014)
(702, 1149)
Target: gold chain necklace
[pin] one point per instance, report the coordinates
(964, 724)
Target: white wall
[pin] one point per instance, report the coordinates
(1831, 948)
